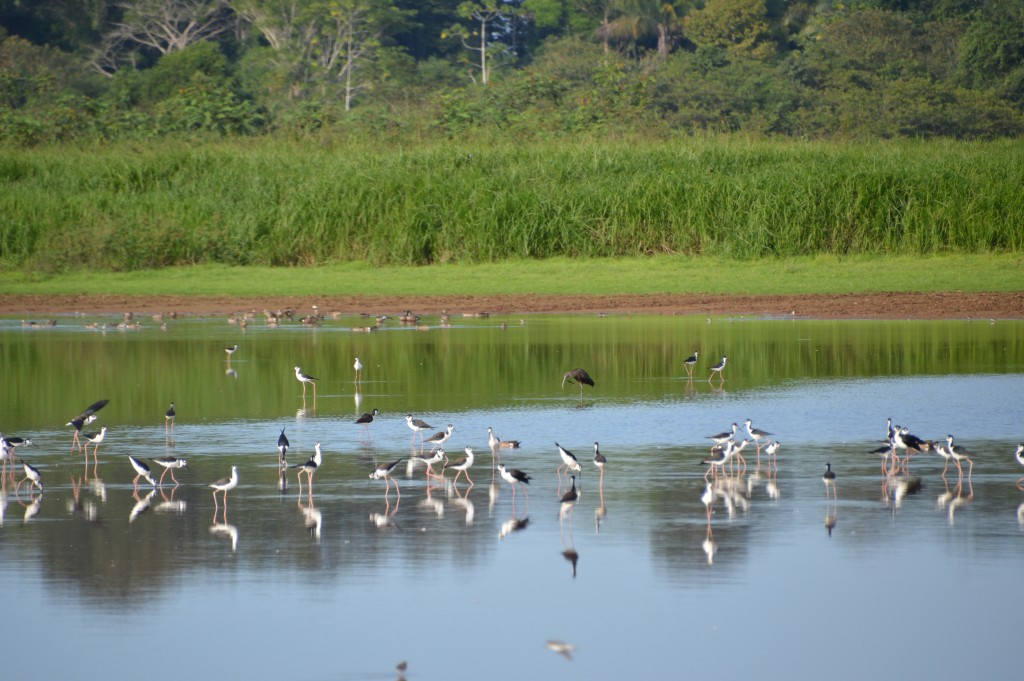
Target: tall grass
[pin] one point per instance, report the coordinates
(271, 203)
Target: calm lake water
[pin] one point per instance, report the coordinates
(916, 575)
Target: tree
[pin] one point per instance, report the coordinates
(484, 14)
(739, 26)
(637, 19)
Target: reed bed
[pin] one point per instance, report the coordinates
(275, 203)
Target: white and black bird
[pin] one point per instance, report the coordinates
(282, 448)
(690, 362)
(436, 456)
(417, 426)
(31, 474)
(85, 418)
(358, 366)
(515, 477)
(225, 485)
(385, 470)
(569, 460)
(570, 497)
(959, 454)
(141, 471)
(95, 439)
(310, 467)
(725, 436)
(170, 463)
(599, 459)
(440, 437)
(231, 350)
(304, 379)
(579, 376)
(1019, 455)
(717, 369)
(829, 478)
(462, 465)
(756, 434)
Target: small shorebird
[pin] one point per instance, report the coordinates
(31, 474)
(718, 369)
(436, 456)
(569, 463)
(94, 439)
(1019, 455)
(829, 478)
(358, 366)
(417, 426)
(514, 476)
(689, 363)
(599, 459)
(141, 471)
(757, 435)
(282, 448)
(723, 437)
(439, 438)
(225, 485)
(231, 350)
(169, 418)
(85, 418)
(304, 379)
(309, 468)
(462, 466)
(170, 463)
(385, 470)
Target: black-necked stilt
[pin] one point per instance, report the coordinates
(385, 470)
(829, 478)
(282, 448)
(959, 454)
(887, 451)
(170, 463)
(439, 438)
(513, 476)
(94, 439)
(770, 450)
(86, 417)
(462, 466)
(366, 419)
(757, 435)
(231, 351)
(225, 485)
(909, 443)
(722, 438)
(497, 443)
(169, 418)
(436, 456)
(141, 471)
(417, 426)
(309, 468)
(718, 369)
(569, 463)
(719, 456)
(358, 366)
(304, 379)
(599, 459)
(690, 362)
(1019, 455)
(580, 376)
(31, 474)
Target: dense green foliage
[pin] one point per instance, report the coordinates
(379, 70)
(136, 207)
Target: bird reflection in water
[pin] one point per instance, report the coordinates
(32, 508)
(463, 502)
(513, 525)
(567, 507)
(959, 500)
(436, 506)
(709, 546)
(168, 504)
(142, 504)
(224, 529)
(231, 373)
(830, 519)
(387, 518)
(312, 517)
(896, 489)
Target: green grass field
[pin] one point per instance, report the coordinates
(273, 203)
(656, 274)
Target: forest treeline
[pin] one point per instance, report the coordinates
(88, 71)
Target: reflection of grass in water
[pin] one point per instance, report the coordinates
(657, 274)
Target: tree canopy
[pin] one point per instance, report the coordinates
(93, 70)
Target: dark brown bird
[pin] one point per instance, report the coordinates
(580, 376)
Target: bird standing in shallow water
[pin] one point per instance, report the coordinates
(580, 376)
(142, 471)
(599, 460)
(718, 369)
(514, 476)
(417, 426)
(86, 417)
(462, 466)
(32, 475)
(282, 448)
(1019, 455)
(169, 419)
(829, 478)
(689, 363)
(385, 470)
(170, 463)
(309, 468)
(225, 485)
(304, 379)
(358, 366)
